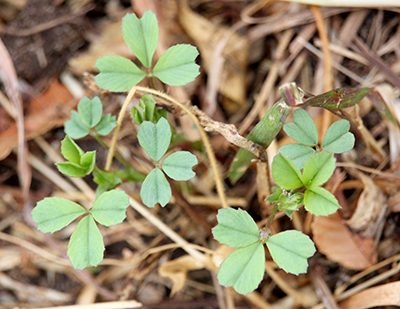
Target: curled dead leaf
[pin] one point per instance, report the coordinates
(336, 241)
(176, 271)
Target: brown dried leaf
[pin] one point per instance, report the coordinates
(383, 295)
(176, 271)
(335, 240)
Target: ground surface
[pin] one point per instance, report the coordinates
(247, 50)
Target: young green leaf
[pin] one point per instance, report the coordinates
(285, 173)
(108, 180)
(75, 128)
(106, 125)
(155, 189)
(53, 213)
(88, 160)
(298, 153)
(86, 245)
(236, 228)
(71, 151)
(141, 35)
(318, 169)
(176, 66)
(179, 165)
(290, 250)
(149, 105)
(243, 268)
(303, 129)
(320, 202)
(90, 111)
(337, 138)
(72, 169)
(110, 207)
(117, 73)
(155, 138)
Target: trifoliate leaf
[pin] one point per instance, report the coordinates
(155, 138)
(86, 245)
(117, 73)
(141, 35)
(318, 169)
(298, 153)
(179, 165)
(110, 207)
(303, 130)
(320, 202)
(337, 138)
(285, 173)
(71, 151)
(90, 111)
(243, 268)
(53, 213)
(176, 66)
(290, 250)
(236, 228)
(75, 128)
(106, 125)
(155, 189)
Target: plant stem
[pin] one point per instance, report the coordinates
(118, 156)
(271, 216)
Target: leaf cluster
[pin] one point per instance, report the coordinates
(175, 67)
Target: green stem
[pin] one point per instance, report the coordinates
(117, 156)
(271, 216)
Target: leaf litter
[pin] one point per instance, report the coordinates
(357, 246)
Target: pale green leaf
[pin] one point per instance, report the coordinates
(110, 207)
(90, 111)
(243, 268)
(53, 213)
(320, 202)
(285, 173)
(71, 151)
(106, 125)
(75, 128)
(179, 165)
(290, 250)
(141, 35)
(236, 228)
(318, 169)
(303, 130)
(117, 73)
(86, 245)
(337, 138)
(155, 189)
(155, 138)
(298, 153)
(176, 66)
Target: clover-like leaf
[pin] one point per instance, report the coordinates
(176, 66)
(179, 165)
(337, 138)
(117, 73)
(155, 138)
(86, 245)
(90, 111)
(298, 153)
(141, 35)
(285, 173)
(106, 125)
(155, 189)
(110, 207)
(290, 250)
(53, 213)
(236, 228)
(71, 151)
(243, 268)
(318, 169)
(303, 130)
(320, 201)
(75, 128)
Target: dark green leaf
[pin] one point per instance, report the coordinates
(71, 151)
(72, 169)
